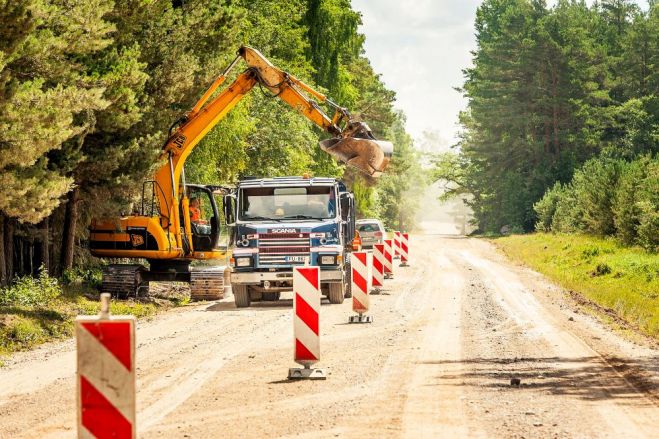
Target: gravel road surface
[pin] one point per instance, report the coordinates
(449, 334)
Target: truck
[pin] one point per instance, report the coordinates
(285, 222)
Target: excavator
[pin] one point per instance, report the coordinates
(178, 223)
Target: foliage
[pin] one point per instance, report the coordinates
(30, 291)
(636, 204)
(622, 280)
(607, 197)
(551, 88)
(545, 208)
(90, 88)
(90, 276)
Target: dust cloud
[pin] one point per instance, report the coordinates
(450, 217)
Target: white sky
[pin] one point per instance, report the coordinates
(420, 47)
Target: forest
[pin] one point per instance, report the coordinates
(89, 88)
(561, 131)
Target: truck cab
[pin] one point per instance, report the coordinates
(284, 222)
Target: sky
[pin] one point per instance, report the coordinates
(420, 48)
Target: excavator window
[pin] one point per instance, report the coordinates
(203, 218)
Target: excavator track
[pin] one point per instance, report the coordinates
(207, 283)
(124, 280)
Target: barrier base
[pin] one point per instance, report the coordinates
(361, 318)
(375, 291)
(404, 264)
(396, 257)
(388, 276)
(306, 373)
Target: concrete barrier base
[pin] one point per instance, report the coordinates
(360, 318)
(306, 373)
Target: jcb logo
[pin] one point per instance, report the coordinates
(179, 141)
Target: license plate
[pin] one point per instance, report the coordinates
(296, 258)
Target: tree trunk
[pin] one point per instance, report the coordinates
(44, 243)
(19, 250)
(69, 230)
(3, 267)
(9, 249)
(29, 252)
(555, 113)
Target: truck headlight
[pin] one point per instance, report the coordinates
(244, 261)
(327, 260)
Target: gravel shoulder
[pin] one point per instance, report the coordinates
(449, 334)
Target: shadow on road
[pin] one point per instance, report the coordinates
(258, 306)
(590, 378)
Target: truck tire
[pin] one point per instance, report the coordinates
(241, 295)
(336, 292)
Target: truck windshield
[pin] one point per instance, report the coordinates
(280, 203)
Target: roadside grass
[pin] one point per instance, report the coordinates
(24, 326)
(622, 280)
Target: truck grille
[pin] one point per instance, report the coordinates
(275, 248)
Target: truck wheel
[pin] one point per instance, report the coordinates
(336, 292)
(241, 295)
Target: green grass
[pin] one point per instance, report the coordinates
(622, 279)
(23, 327)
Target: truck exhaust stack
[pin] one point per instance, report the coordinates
(358, 148)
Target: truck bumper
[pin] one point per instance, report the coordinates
(256, 278)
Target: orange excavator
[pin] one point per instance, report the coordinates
(179, 223)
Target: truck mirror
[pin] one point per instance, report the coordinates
(229, 204)
(346, 207)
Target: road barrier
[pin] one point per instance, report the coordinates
(397, 239)
(106, 374)
(388, 259)
(404, 249)
(378, 268)
(360, 266)
(306, 323)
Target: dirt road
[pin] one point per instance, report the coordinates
(448, 335)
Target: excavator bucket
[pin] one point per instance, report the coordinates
(358, 148)
(369, 156)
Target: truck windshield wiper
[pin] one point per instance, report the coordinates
(259, 218)
(300, 217)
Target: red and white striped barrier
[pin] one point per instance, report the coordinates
(388, 259)
(404, 249)
(378, 267)
(397, 245)
(106, 374)
(306, 322)
(359, 263)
